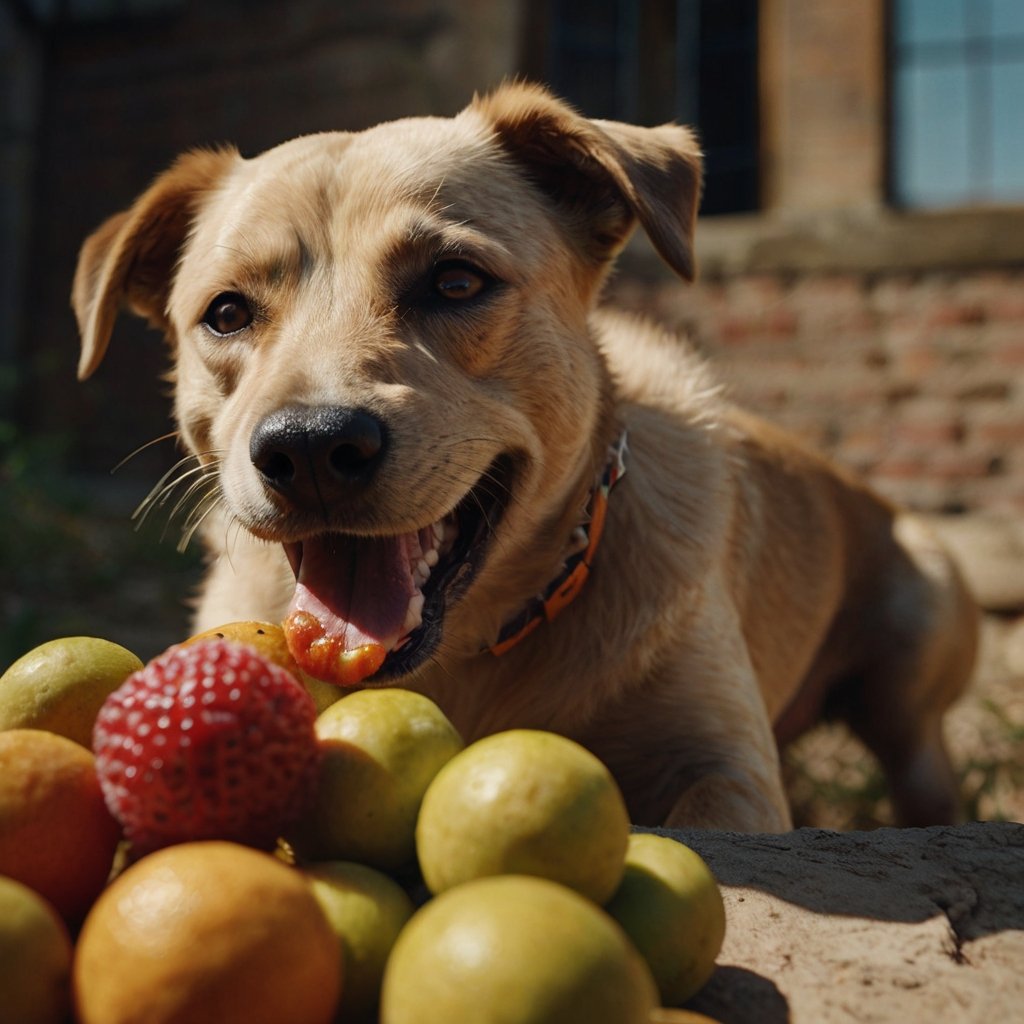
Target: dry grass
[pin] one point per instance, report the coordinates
(835, 783)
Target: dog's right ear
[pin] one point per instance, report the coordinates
(130, 260)
(605, 176)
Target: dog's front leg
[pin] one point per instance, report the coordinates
(697, 750)
(730, 776)
(733, 802)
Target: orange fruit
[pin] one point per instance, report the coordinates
(56, 834)
(269, 640)
(207, 933)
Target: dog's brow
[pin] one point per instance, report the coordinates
(291, 262)
(426, 240)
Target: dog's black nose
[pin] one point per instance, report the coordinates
(308, 453)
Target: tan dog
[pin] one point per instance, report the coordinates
(394, 386)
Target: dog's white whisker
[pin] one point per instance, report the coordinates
(204, 487)
(209, 504)
(169, 436)
(168, 480)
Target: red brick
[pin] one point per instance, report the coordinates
(1009, 431)
(929, 433)
(1010, 352)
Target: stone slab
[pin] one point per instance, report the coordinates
(894, 926)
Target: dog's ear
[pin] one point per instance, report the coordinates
(130, 260)
(606, 175)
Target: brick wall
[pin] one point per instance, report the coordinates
(915, 380)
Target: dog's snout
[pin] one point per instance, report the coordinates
(308, 452)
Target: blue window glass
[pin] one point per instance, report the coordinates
(957, 102)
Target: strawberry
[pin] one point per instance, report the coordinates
(207, 741)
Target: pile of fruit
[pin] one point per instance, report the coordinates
(216, 837)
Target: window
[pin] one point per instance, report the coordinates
(957, 102)
(651, 61)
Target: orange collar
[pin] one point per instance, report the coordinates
(569, 582)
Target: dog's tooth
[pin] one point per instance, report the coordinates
(420, 573)
(413, 614)
(446, 533)
(431, 557)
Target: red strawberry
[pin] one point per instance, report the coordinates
(207, 741)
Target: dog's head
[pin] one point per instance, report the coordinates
(380, 343)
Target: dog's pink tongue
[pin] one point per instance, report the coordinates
(349, 607)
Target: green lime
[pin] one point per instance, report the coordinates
(670, 906)
(35, 957)
(61, 685)
(381, 749)
(367, 910)
(515, 950)
(524, 802)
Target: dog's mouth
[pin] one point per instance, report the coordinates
(369, 609)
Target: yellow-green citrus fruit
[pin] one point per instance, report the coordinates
(268, 639)
(515, 950)
(381, 749)
(56, 834)
(61, 685)
(671, 907)
(367, 910)
(207, 933)
(35, 958)
(524, 802)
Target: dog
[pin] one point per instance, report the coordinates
(406, 417)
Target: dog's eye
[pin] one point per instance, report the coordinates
(228, 314)
(458, 282)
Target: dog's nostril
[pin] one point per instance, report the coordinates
(356, 446)
(348, 459)
(278, 468)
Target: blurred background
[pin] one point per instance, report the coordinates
(861, 254)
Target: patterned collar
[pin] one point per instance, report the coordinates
(569, 582)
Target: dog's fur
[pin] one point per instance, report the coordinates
(743, 588)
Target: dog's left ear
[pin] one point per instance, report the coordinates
(605, 175)
(130, 259)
